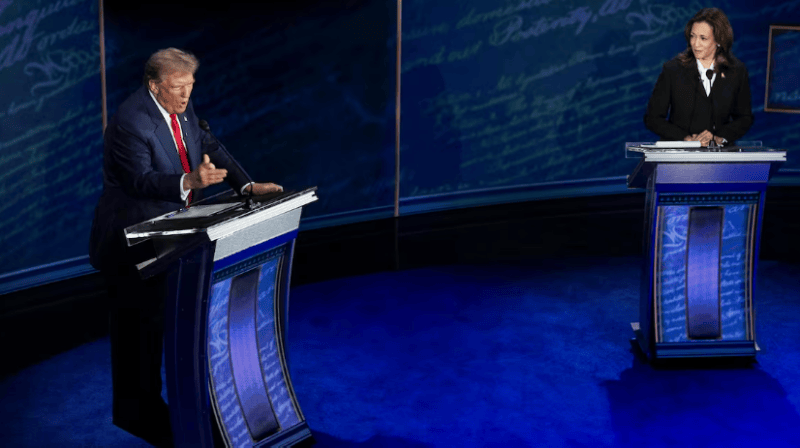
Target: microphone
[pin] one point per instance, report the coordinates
(204, 126)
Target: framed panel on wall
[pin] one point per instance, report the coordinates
(783, 70)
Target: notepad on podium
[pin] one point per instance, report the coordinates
(677, 144)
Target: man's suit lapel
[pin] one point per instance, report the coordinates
(163, 133)
(189, 139)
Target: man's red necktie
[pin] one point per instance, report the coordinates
(176, 132)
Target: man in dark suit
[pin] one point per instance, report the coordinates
(155, 161)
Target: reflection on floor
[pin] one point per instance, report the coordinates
(507, 354)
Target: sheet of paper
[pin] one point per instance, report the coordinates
(677, 144)
(200, 211)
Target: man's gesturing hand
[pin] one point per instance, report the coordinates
(204, 175)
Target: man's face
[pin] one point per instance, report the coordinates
(173, 92)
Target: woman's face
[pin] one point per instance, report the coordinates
(702, 41)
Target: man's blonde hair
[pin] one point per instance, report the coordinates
(166, 61)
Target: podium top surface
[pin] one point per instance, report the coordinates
(220, 216)
(662, 154)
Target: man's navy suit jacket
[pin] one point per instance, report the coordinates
(142, 171)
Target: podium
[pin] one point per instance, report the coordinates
(703, 212)
(228, 264)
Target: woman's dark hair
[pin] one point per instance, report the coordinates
(723, 34)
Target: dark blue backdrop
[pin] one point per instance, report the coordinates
(496, 96)
(50, 129)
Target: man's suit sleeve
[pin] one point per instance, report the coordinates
(655, 118)
(132, 158)
(741, 110)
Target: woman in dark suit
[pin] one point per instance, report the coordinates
(703, 93)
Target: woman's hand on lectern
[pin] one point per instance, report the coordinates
(704, 138)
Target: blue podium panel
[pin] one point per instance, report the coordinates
(250, 387)
(704, 262)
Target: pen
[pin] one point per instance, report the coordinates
(180, 210)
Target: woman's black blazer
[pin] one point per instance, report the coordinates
(671, 106)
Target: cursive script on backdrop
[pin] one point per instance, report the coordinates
(51, 132)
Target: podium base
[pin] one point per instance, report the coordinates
(694, 349)
(298, 436)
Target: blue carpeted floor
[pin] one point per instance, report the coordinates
(530, 354)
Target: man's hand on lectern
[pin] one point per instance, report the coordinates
(258, 189)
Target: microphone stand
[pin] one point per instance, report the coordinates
(713, 143)
(204, 126)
